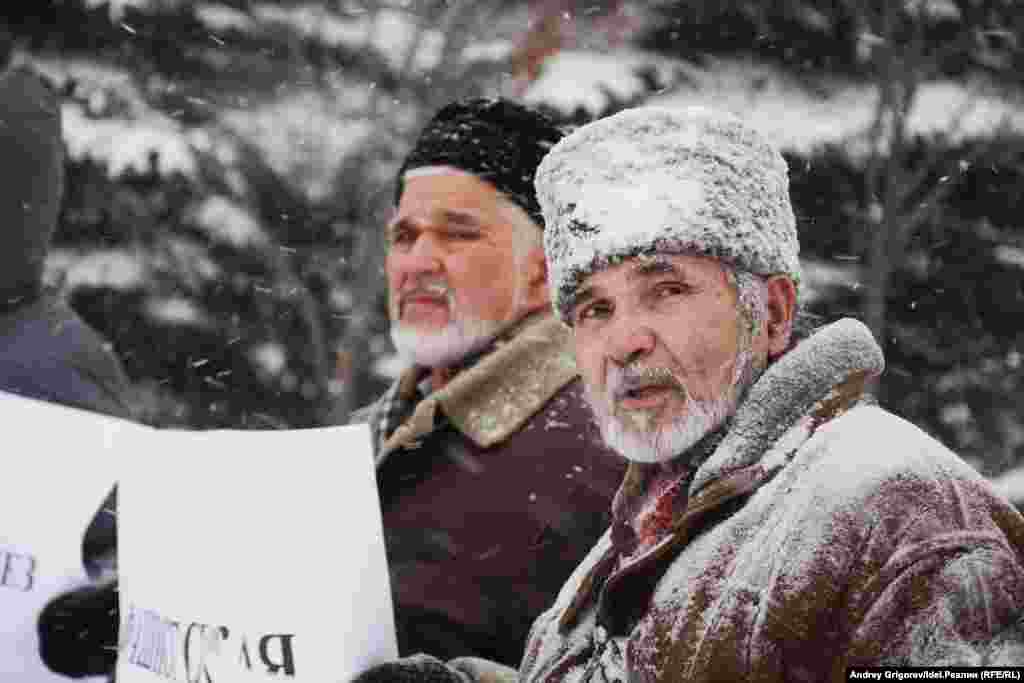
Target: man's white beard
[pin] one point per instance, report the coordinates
(447, 346)
(665, 442)
(461, 337)
(635, 440)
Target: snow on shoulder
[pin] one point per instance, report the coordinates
(871, 444)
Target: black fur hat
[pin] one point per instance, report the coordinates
(494, 139)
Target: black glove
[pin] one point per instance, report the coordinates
(78, 631)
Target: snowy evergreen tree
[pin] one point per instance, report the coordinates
(230, 167)
(232, 164)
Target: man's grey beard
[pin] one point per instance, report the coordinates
(461, 337)
(629, 439)
(635, 438)
(447, 346)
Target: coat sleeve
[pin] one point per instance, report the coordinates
(1007, 648)
(947, 599)
(931, 558)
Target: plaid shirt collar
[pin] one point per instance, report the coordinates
(394, 407)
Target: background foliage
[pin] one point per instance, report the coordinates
(231, 163)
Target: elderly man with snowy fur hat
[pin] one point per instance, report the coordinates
(493, 486)
(773, 525)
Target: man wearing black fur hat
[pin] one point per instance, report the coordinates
(492, 481)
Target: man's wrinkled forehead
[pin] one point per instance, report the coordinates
(481, 189)
(634, 268)
(427, 188)
(645, 266)
(457, 198)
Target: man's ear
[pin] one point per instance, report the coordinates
(536, 267)
(781, 313)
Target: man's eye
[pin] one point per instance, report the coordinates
(592, 312)
(670, 289)
(402, 237)
(463, 235)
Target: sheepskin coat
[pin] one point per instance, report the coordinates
(818, 533)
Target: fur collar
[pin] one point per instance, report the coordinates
(815, 378)
(493, 398)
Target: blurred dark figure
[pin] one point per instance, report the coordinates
(48, 353)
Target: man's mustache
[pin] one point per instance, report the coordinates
(436, 289)
(620, 382)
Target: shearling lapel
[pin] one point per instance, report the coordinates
(805, 381)
(492, 399)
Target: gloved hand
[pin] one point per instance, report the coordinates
(78, 630)
(415, 669)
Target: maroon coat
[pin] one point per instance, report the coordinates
(487, 513)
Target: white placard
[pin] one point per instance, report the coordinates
(252, 556)
(59, 464)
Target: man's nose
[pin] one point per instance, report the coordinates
(630, 340)
(422, 257)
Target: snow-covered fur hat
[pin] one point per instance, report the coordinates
(494, 139)
(653, 179)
